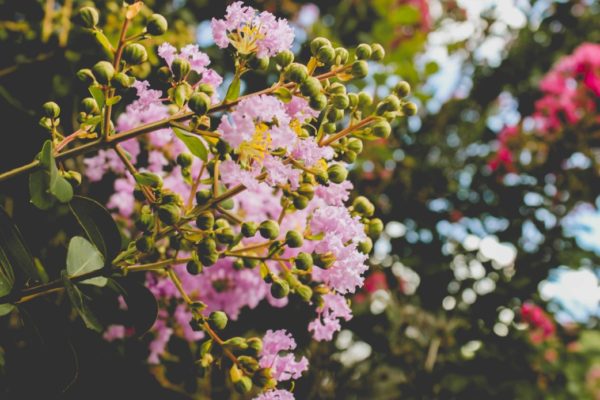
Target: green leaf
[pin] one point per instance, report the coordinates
(233, 92)
(78, 302)
(82, 258)
(47, 185)
(104, 42)
(99, 226)
(39, 181)
(145, 178)
(14, 252)
(283, 94)
(6, 309)
(142, 308)
(60, 187)
(98, 95)
(113, 100)
(193, 143)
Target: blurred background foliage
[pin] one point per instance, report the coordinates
(465, 245)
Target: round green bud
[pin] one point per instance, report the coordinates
(150, 179)
(243, 385)
(134, 54)
(363, 206)
(353, 97)
(364, 100)
(269, 229)
(255, 345)
(203, 196)
(329, 127)
(322, 178)
(284, 58)
(208, 259)
(305, 292)
(249, 263)
(104, 72)
(180, 68)
(296, 73)
(307, 190)
(262, 377)
(409, 108)
(225, 235)
(184, 160)
(249, 228)
(375, 227)
(205, 221)
(381, 129)
(206, 88)
(318, 43)
(337, 173)
(326, 55)
(90, 106)
(280, 289)
(222, 223)
(363, 51)
(402, 89)
(144, 244)
(169, 214)
(206, 245)
(390, 103)
(193, 267)
(248, 363)
(122, 81)
(323, 260)
(360, 69)
(199, 103)
(51, 109)
(341, 55)
(356, 145)
(218, 320)
(157, 25)
(349, 156)
(171, 198)
(336, 88)
(334, 114)
(303, 261)
(164, 74)
(88, 17)
(366, 246)
(318, 102)
(300, 202)
(311, 87)
(86, 76)
(294, 239)
(236, 343)
(259, 63)
(227, 204)
(377, 52)
(340, 101)
(145, 222)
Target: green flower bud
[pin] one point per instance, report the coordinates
(88, 17)
(360, 69)
(169, 214)
(337, 173)
(157, 25)
(205, 221)
(381, 129)
(317, 43)
(150, 179)
(340, 101)
(122, 81)
(193, 267)
(409, 109)
(364, 100)
(262, 377)
(329, 127)
(318, 102)
(353, 97)
(366, 246)
(144, 244)
(390, 104)
(171, 198)
(296, 73)
(284, 58)
(377, 52)
(249, 263)
(206, 245)
(218, 320)
(86, 76)
(259, 63)
(307, 190)
(225, 235)
(303, 261)
(280, 289)
(294, 239)
(323, 260)
(255, 345)
(300, 202)
(145, 222)
(104, 72)
(203, 196)
(184, 160)
(349, 156)
(164, 74)
(311, 87)
(236, 343)
(363, 206)
(326, 55)
(322, 178)
(134, 54)
(305, 292)
(244, 385)
(222, 223)
(363, 51)
(51, 110)
(375, 227)
(356, 145)
(334, 114)
(208, 259)
(180, 68)
(206, 88)
(336, 88)
(249, 229)
(199, 103)
(248, 363)
(402, 89)
(269, 229)
(341, 55)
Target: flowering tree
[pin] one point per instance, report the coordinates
(219, 203)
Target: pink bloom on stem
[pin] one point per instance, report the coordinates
(283, 367)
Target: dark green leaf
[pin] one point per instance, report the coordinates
(233, 92)
(142, 308)
(113, 100)
(193, 143)
(79, 303)
(15, 253)
(98, 95)
(82, 258)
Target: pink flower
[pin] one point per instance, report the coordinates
(283, 367)
(276, 394)
(327, 323)
(114, 332)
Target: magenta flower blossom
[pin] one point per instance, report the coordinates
(327, 323)
(283, 367)
(277, 394)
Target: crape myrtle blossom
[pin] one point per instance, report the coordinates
(283, 366)
(250, 31)
(277, 394)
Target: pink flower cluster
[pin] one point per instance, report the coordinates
(542, 325)
(249, 31)
(283, 367)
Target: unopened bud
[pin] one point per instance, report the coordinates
(363, 51)
(180, 68)
(375, 227)
(326, 55)
(249, 229)
(317, 43)
(365, 246)
(294, 239)
(296, 73)
(409, 108)
(88, 17)
(51, 110)
(205, 221)
(377, 52)
(269, 229)
(144, 244)
(284, 58)
(318, 102)
(157, 25)
(203, 196)
(104, 72)
(337, 173)
(311, 87)
(363, 206)
(341, 55)
(303, 261)
(199, 103)
(134, 54)
(280, 289)
(193, 267)
(402, 89)
(218, 319)
(169, 214)
(122, 81)
(305, 292)
(360, 69)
